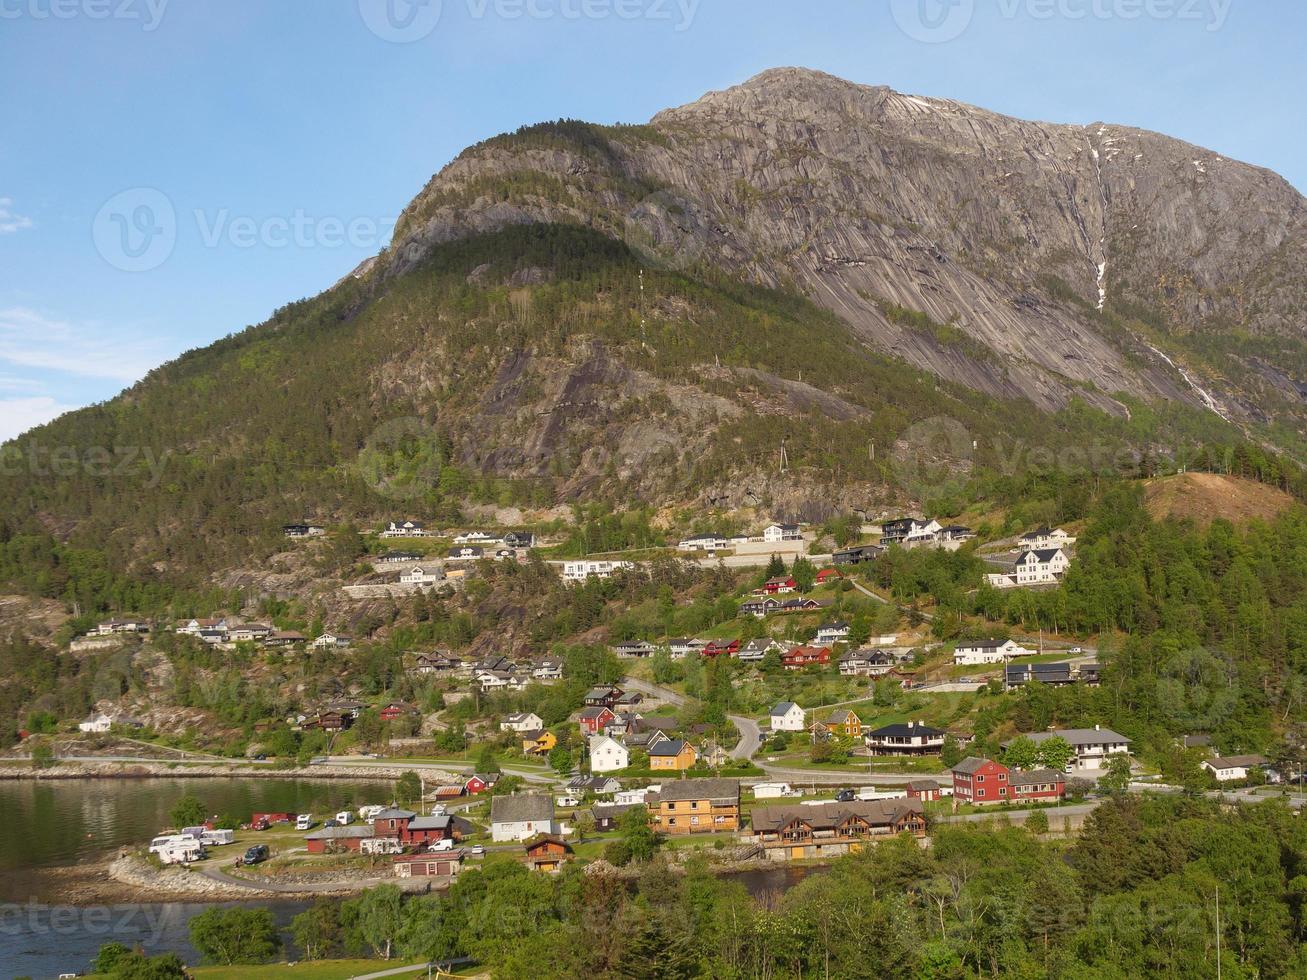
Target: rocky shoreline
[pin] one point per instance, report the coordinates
(172, 770)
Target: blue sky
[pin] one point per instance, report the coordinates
(174, 170)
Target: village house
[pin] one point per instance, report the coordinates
(801, 657)
(866, 663)
(1054, 675)
(786, 716)
(926, 790)
(595, 720)
(500, 680)
(539, 742)
(480, 538)
(983, 782)
(608, 754)
(98, 724)
(1043, 567)
(1232, 768)
(697, 806)
(423, 577)
(594, 785)
(303, 530)
(704, 542)
(721, 648)
(800, 832)
(607, 816)
(1094, 746)
(395, 710)
(436, 663)
(777, 533)
(523, 721)
(547, 853)
(398, 558)
(519, 818)
(480, 782)
(638, 649)
(857, 555)
(579, 571)
(445, 864)
(1042, 539)
(682, 647)
(548, 670)
(755, 651)
(781, 585)
(465, 553)
(673, 753)
(832, 633)
(981, 652)
(331, 641)
(120, 627)
(404, 529)
(905, 739)
(1036, 785)
(284, 638)
(520, 540)
(334, 840)
(844, 722)
(604, 696)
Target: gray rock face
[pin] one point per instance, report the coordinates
(1013, 237)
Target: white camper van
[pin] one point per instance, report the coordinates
(304, 821)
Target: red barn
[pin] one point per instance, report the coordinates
(595, 720)
(923, 789)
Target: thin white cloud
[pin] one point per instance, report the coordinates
(9, 221)
(17, 415)
(29, 339)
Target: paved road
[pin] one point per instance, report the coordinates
(654, 691)
(841, 777)
(218, 875)
(353, 762)
(750, 737)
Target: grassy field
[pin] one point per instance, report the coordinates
(316, 970)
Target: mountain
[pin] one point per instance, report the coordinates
(747, 301)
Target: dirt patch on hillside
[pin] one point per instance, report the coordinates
(1203, 497)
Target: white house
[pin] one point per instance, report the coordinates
(774, 533)
(548, 670)
(1043, 567)
(989, 652)
(1230, 768)
(704, 542)
(96, 724)
(423, 576)
(1094, 746)
(607, 754)
(404, 529)
(755, 650)
(579, 571)
(330, 641)
(828, 633)
(1043, 538)
(521, 817)
(786, 716)
(478, 537)
(522, 722)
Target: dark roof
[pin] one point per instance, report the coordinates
(520, 809)
(1236, 761)
(1018, 777)
(394, 813)
(971, 764)
(341, 833)
(671, 747)
(829, 815)
(431, 823)
(700, 789)
(923, 785)
(905, 730)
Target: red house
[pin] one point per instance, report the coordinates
(829, 575)
(724, 648)
(595, 720)
(778, 586)
(392, 822)
(479, 782)
(396, 710)
(980, 781)
(923, 789)
(1037, 784)
(801, 657)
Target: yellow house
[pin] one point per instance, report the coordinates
(539, 743)
(697, 806)
(844, 722)
(672, 753)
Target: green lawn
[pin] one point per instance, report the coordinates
(317, 970)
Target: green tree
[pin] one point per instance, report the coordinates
(1021, 753)
(188, 811)
(560, 760)
(638, 834)
(376, 918)
(1117, 778)
(109, 957)
(408, 787)
(233, 936)
(1037, 822)
(1056, 753)
(317, 929)
(42, 754)
(486, 760)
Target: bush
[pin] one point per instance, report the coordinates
(235, 936)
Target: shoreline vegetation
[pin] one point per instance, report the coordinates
(22, 769)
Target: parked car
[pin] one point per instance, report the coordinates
(567, 801)
(442, 845)
(304, 821)
(255, 855)
(478, 850)
(845, 796)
